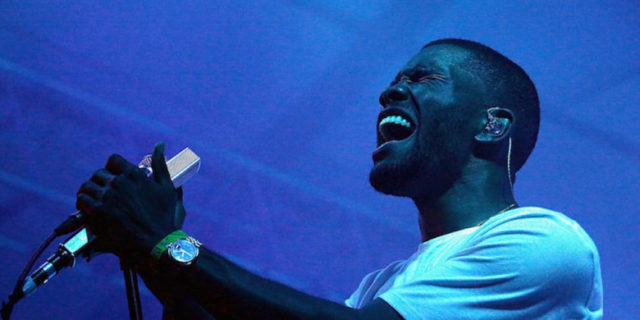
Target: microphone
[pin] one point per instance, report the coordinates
(181, 167)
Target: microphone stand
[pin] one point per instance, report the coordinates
(181, 168)
(133, 293)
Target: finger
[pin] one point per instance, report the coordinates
(117, 164)
(87, 204)
(159, 166)
(135, 174)
(123, 184)
(102, 177)
(92, 189)
(179, 194)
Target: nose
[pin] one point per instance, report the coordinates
(395, 93)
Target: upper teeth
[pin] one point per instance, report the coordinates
(395, 119)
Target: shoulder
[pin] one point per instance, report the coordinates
(527, 263)
(537, 225)
(546, 247)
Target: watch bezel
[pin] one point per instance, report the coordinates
(193, 250)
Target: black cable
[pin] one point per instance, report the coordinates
(71, 224)
(17, 293)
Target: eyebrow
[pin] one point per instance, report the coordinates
(428, 70)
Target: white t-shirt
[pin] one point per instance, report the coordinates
(526, 263)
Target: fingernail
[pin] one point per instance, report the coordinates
(160, 147)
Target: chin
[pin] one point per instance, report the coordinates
(394, 178)
(413, 178)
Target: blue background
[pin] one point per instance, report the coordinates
(279, 99)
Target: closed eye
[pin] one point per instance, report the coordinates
(429, 77)
(418, 78)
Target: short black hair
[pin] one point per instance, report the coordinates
(508, 86)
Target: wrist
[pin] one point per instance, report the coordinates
(179, 247)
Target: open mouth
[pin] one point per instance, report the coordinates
(394, 125)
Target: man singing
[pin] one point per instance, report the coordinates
(457, 123)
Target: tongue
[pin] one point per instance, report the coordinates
(391, 131)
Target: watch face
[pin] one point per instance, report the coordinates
(183, 251)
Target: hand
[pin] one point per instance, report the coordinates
(128, 212)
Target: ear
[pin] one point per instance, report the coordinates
(497, 126)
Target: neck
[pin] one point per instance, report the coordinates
(482, 191)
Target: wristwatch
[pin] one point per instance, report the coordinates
(184, 251)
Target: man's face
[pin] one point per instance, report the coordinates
(430, 114)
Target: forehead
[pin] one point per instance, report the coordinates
(439, 57)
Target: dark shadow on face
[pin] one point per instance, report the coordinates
(443, 102)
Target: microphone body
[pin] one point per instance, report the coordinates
(181, 167)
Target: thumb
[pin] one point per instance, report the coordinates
(179, 194)
(160, 172)
(180, 214)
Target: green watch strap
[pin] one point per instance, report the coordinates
(162, 246)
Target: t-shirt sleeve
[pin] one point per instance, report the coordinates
(366, 290)
(356, 296)
(522, 267)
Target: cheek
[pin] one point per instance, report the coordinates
(446, 133)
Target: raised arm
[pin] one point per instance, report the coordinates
(130, 214)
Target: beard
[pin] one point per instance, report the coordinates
(427, 170)
(393, 177)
